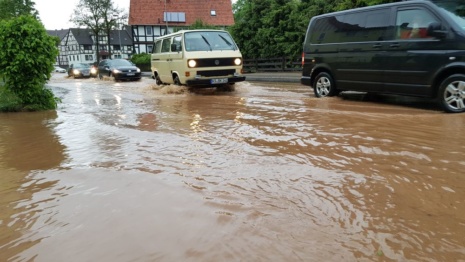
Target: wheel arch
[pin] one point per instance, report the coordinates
(319, 69)
(439, 77)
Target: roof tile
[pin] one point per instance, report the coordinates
(150, 12)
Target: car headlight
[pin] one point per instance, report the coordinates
(238, 61)
(116, 71)
(93, 70)
(191, 63)
(138, 70)
(76, 72)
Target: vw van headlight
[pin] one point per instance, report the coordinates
(238, 61)
(191, 63)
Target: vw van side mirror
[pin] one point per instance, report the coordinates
(435, 30)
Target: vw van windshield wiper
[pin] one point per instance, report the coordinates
(227, 42)
(206, 41)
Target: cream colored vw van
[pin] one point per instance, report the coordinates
(197, 58)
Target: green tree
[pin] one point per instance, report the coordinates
(199, 24)
(98, 16)
(27, 55)
(276, 28)
(14, 8)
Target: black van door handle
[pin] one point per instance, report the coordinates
(394, 45)
(377, 46)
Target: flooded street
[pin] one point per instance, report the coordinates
(129, 171)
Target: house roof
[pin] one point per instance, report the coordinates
(60, 33)
(151, 12)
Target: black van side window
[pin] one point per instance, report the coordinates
(413, 23)
(353, 27)
(367, 26)
(327, 30)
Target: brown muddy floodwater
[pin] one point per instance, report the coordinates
(132, 172)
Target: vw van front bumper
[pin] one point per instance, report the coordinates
(215, 81)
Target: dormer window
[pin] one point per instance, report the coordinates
(212, 12)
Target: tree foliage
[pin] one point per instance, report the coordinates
(27, 55)
(276, 28)
(13, 8)
(100, 16)
(199, 24)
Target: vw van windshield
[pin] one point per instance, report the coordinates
(455, 9)
(208, 41)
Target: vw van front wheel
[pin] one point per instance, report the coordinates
(451, 94)
(324, 85)
(177, 81)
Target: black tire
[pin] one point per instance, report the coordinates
(114, 78)
(177, 81)
(451, 94)
(324, 85)
(158, 80)
(100, 76)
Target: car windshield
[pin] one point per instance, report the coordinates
(81, 66)
(208, 41)
(455, 9)
(121, 62)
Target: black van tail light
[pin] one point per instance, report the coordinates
(303, 59)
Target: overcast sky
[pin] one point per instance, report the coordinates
(55, 14)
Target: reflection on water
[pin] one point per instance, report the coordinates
(264, 173)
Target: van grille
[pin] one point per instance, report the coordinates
(212, 62)
(216, 72)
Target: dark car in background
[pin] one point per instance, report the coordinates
(93, 69)
(79, 70)
(119, 69)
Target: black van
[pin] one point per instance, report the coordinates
(414, 48)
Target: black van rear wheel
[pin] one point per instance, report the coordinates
(451, 94)
(324, 85)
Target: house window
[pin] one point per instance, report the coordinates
(212, 12)
(117, 56)
(149, 49)
(117, 47)
(174, 16)
(148, 30)
(87, 47)
(89, 58)
(129, 48)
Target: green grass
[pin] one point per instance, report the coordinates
(9, 102)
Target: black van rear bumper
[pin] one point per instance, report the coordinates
(210, 82)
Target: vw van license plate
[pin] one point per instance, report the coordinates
(130, 74)
(219, 81)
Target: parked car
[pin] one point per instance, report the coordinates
(79, 70)
(119, 69)
(58, 69)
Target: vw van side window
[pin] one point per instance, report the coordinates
(157, 47)
(413, 23)
(165, 46)
(177, 40)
